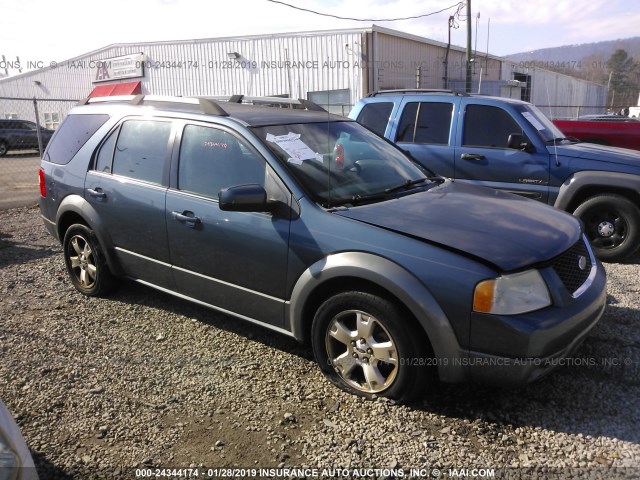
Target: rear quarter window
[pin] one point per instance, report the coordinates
(375, 116)
(72, 135)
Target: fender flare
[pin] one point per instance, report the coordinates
(395, 279)
(82, 208)
(589, 179)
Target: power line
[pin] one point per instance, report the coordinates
(456, 5)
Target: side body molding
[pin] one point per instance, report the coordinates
(393, 278)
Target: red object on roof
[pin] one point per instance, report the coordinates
(113, 89)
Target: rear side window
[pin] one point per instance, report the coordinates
(375, 116)
(486, 126)
(72, 135)
(140, 150)
(426, 122)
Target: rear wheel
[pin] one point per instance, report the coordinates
(366, 345)
(85, 262)
(612, 224)
(3, 149)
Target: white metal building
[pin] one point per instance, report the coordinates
(332, 68)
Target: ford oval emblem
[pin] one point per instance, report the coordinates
(582, 262)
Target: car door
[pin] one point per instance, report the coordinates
(16, 133)
(482, 155)
(127, 187)
(234, 261)
(425, 131)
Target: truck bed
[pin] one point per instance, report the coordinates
(623, 132)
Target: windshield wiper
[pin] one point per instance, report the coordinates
(406, 184)
(356, 199)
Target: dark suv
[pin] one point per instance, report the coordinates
(21, 135)
(387, 272)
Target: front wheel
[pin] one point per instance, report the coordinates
(3, 149)
(612, 224)
(365, 345)
(85, 262)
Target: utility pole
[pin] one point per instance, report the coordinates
(468, 82)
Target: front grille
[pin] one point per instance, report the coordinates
(568, 266)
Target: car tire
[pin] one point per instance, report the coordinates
(365, 344)
(612, 225)
(3, 149)
(85, 262)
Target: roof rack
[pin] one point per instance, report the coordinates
(417, 91)
(274, 101)
(206, 104)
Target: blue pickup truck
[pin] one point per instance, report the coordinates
(510, 145)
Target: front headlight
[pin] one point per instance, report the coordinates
(512, 294)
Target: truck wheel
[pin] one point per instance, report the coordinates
(85, 262)
(612, 224)
(364, 345)
(3, 149)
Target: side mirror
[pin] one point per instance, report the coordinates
(517, 142)
(244, 198)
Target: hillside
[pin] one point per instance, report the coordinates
(577, 53)
(589, 61)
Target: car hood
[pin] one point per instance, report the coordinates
(505, 230)
(603, 153)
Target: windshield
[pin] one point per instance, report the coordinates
(548, 131)
(341, 162)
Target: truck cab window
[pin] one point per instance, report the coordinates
(487, 126)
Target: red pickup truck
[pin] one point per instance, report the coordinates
(615, 131)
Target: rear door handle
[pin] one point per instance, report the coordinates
(187, 217)
(97, 193)
(471, 156)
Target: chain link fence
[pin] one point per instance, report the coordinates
(26, 126)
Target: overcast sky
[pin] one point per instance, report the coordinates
(48, 30)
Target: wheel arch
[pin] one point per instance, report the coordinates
(351, 271)
(583, 185)
(75, 209)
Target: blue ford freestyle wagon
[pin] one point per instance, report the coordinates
(310, 225)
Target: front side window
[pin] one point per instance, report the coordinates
(340, 162)
(140, 150)
(486, 126)
(212, 159)
(426, 122)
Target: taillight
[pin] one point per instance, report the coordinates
(339, 156)
(43, 186)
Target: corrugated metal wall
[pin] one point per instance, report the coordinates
(353, 62)
(269, 65)
(559, 95)
(409, 62)
(405, 63)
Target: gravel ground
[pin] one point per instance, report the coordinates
(101, 387)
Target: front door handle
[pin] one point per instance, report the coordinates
(187, 217)
(471, 156)
(97, 193)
